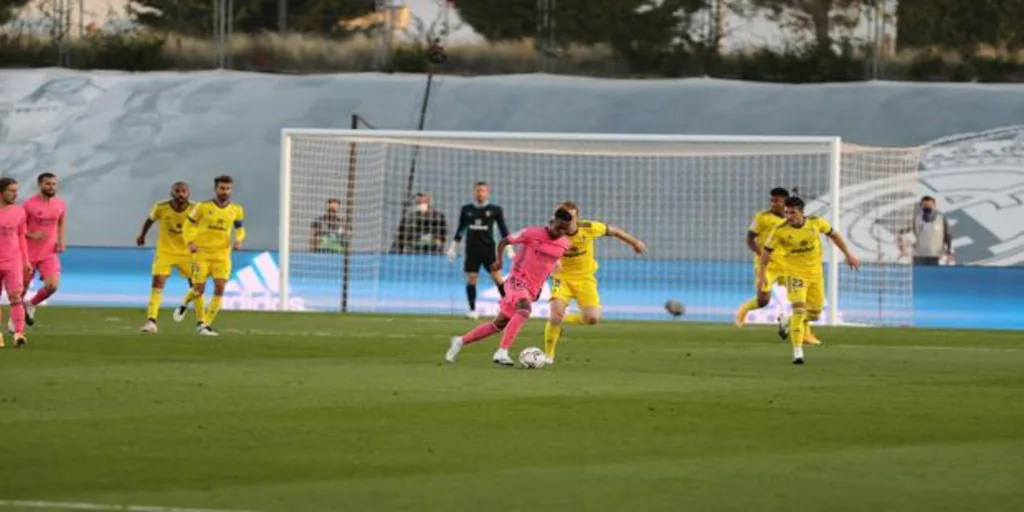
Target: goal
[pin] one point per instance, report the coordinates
(690, 198)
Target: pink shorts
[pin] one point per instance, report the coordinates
(12, 277)
(48, 266)
(515, 290)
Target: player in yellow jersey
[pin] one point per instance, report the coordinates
(761, 225)
(798, 244)
(171, 250)
(208, 233)
(575, 277)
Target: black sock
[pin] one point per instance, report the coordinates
(501, 289)
(471, 296)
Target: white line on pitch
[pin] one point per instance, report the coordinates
(79, 505)
(930, 347)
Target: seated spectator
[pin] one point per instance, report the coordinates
(423, 230)
(326, 233)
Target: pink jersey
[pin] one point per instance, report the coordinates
(537, 258)
(13, 249)
(43, 214)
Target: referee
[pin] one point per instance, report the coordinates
(476, 222)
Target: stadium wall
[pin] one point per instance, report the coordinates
(111, 132)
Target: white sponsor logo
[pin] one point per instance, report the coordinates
(258, 287)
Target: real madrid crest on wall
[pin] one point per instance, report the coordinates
(977, 180)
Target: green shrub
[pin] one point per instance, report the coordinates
(298, 53)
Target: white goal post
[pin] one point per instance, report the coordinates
(690, 197)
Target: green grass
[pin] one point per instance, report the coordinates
(320, 412)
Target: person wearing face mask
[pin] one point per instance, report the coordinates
(932, 237)
(327, 232)
(423, 230)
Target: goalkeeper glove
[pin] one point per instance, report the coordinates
(451, 252)
(510, 252)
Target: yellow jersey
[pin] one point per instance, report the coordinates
(762, 225)
(169, 240)
(209, 227)
(579, 261)
(800, 246)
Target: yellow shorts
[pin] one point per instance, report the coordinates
(163, 264)
(207, 267)
(810, 291)
(583, 290)
(773, 277)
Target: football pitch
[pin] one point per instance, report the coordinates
(325, 412)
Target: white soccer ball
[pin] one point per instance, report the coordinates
(532, 357)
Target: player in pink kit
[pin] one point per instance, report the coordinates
(542, 247)
(13, 256)
(44, 215)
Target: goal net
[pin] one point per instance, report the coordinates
(344, 194)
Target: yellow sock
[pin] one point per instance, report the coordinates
(797, 324)
(573, 319)
(200, 308)
(552, 333)
(211, 312)
(156, 296)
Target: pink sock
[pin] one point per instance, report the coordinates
(18, 317)
(41, 295)
(479, 332)
(508, 338)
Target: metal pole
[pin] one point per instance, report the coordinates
(350, 207)
(419, 127)
(446, 19)
(282, 16)
(541, 29)
(384, 32)
(229, 21)
(216, 33)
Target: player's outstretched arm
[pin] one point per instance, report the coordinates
(764, 256)
(190, 229)
(460, 230)
(23, 243)
(752, 243)
(638, 245)
(851, 259)
(502, 245)
(500, 220)
(141, 239)
(61, 233)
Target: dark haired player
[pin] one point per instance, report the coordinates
(171, 250)
(542, 247)
(476, 223)
(761, 226)
(797, 243)
(207, 232)
(44, 216)
(13, 256)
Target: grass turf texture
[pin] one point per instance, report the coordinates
(322, 412)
